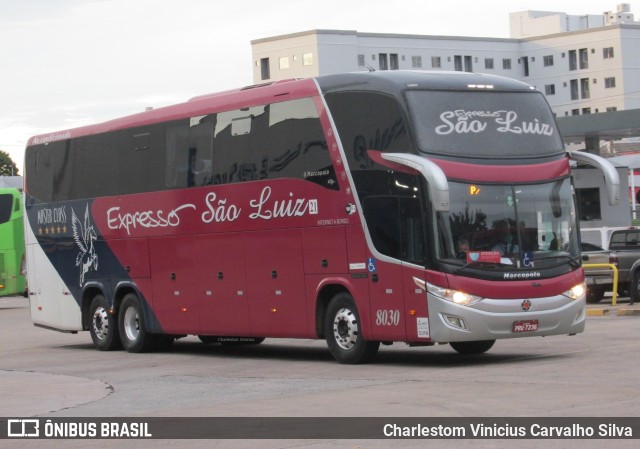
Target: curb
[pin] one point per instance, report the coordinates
(618, 312)
(629, 312)
(598, 312)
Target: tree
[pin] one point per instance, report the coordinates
(7, 166)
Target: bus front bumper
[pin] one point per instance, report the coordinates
(492, 319)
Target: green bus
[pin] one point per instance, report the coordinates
(12, 248)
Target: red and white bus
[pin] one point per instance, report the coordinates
(360, 208)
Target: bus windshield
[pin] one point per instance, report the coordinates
(519, 226)
(493, 124)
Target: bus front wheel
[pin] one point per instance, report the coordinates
(103, 326)
(343, 332)
(472, 347)
(133, 329)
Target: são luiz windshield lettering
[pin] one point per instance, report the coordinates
(462, 122)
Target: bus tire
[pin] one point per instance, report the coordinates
(103, 326)
(343, 334)
(133, 330)
(472, 347)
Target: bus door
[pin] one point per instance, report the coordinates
(397, 233)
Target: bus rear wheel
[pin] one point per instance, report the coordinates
(472, 347)
(343, 332)
(103, 326)
(133, 329)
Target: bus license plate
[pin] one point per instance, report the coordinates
(525, 326)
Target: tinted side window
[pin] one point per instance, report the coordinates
(6, 203)
(141, 155)
(93, 168)
(279, 140)
(39, 170)
(368, 121)
(240, 145)
(396, 227)
(189, 145)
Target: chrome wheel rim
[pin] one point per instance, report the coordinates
(345, 329)
(100, 323)
(131, 324)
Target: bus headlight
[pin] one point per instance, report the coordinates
(454, 296)
(576, 291)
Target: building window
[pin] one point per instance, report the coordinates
(586, 111)
(550, 89)
(283, 62)
(584, 88)
(360, 60)
(588, 204)
(612, 109)
(457, 63)
(264, 69)
(307, 59)
(610, 83)
(436, 62)
(393, 61)
(488, 63)
(468, 66)
(573, 60)
(607, 53)
(383, 61)
(575, 112)
(548, 60)
(584, 58)
(416, 62)
(506, 64)
(574, 90)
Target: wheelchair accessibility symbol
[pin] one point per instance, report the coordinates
(527, 260)
(371, 265)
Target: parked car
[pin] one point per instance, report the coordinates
(625, 244)
(599, 280)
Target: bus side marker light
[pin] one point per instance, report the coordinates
(184, 309)
(412, 312)
(274, 310)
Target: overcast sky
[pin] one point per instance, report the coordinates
(68, 63)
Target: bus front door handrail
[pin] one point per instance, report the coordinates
(615, 277)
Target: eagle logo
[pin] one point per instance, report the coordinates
(84, 236)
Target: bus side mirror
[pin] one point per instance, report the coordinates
(437, 180)
(611, 178)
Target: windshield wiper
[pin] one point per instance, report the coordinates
(571, 260)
